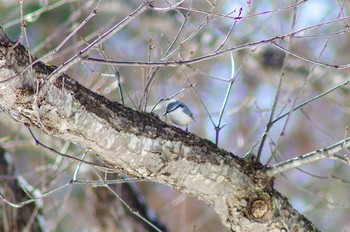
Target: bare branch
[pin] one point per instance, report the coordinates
(312, 99)
(328, 152)
(180, 62)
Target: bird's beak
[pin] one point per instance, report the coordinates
(165, 113)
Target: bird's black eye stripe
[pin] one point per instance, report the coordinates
(178, 106)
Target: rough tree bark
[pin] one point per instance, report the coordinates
(141, 145)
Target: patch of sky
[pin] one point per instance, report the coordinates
(133, 49)
(314, 12)
(265, 95)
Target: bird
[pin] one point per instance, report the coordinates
(178, 113)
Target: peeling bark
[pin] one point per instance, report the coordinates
(139, 144)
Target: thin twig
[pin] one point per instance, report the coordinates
(307, 79)
(55, 50)
(244, 17)
(79, 56)
(172, 96)
(282, 134)
(291, 34)
(250, 151)
(116, 74)
(180, 62)
(61, 154)
(229, 32)
(317, 127)
(277, 96)
(312, 99)
(37, 197)
(60, 29)
(218, 126)
(212, 55)
(309, 60)
(124, 202)
(269, 124)
(236, 48)
(165, 56)
(37, 13)
(195, 32)
(204, 106)
(232, 80)
(172, 7)
(328, 152)
(23, 203)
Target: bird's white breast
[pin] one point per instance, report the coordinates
(178, 117)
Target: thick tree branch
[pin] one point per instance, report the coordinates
(140, 144)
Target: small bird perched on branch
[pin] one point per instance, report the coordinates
(179, 113)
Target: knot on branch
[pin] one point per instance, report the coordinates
(150, 3)
(259, 208)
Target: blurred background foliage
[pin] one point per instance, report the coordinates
(319, 191)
